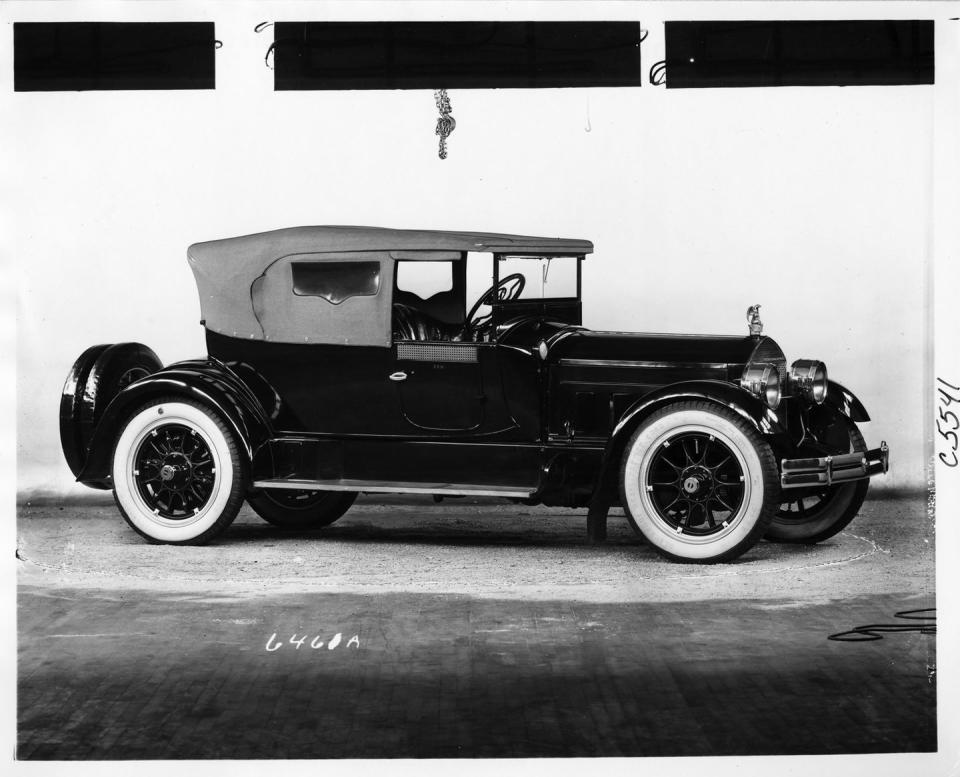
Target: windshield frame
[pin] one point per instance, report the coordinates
(500, 257)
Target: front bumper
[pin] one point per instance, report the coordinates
(826, 471)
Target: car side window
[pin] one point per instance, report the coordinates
(425, 279)
(336, 281)
(428, 300)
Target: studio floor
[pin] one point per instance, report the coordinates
(465, 629)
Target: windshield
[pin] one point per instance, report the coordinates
(544, 277)
(529, 279)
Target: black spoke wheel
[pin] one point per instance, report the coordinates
(174, 471)
(698, 482)
(805, 503)
(178, 475)
(300, 509)
(812, 515)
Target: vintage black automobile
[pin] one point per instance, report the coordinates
(353, 359)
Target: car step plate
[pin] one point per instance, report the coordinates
(397, 487)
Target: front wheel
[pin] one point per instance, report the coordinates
(295, 509)
(178, 477)
(699, 483)
(813, 515)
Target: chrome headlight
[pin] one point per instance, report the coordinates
(810, 378)
(763, 380)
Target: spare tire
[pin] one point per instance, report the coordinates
(100, 373)
(74, 450)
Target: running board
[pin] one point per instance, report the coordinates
(389, 487)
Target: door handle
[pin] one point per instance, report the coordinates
(398, 376)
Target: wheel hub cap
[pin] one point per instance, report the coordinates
(691, 484)
(174, 471)
(695, 483)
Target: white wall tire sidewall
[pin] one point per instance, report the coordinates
(638, 502)
(136, 509)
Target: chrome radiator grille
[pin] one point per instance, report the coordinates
(768, 352)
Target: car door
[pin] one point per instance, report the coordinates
(441, 384)
(327, 350)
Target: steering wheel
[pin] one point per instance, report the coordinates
(508, 288)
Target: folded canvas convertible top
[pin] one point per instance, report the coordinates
(267, 246)
(226, 271)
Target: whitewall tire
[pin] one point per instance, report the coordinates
(177, 474)
(699, 482)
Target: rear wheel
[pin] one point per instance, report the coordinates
(813, 515)
(177, 473)
(699, 483)
(295, 509)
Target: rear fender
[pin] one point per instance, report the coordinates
(726, 395)
(208, 382)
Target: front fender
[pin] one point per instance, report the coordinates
(727, 395)
(843, 401)
(208, 382)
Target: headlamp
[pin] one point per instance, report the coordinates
(763, 381)
(809, 376)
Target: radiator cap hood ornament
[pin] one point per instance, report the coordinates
(753, 319)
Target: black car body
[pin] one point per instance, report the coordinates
(329, 373)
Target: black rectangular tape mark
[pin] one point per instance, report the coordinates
(799, 53)
(461, 55)
(80, 56)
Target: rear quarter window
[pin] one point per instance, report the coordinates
(336, 281)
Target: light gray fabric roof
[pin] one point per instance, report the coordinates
(226, 270)
(265, 247)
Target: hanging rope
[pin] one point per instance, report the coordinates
(446, 123)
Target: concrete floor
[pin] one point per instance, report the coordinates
(467, 629)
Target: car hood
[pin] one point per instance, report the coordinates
(616, 347)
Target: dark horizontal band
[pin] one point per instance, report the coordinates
(462, 55)
(81, 56)
(799, 53)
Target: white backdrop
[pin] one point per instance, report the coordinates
(815, 202)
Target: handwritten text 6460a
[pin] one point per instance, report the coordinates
(298, 641)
